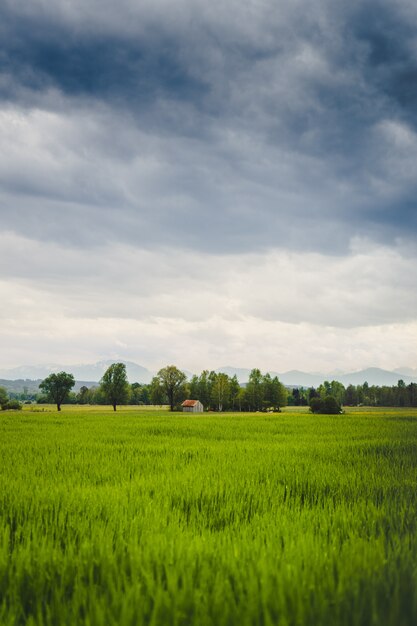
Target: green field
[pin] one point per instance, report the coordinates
(147, 517)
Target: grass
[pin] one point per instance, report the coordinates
(140, 517)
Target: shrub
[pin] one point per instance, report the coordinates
(327, 405)
(12, 405)
(315, 405)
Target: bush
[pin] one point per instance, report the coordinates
(327, 405)
(331, 406)
(11, 405)
(315, 405)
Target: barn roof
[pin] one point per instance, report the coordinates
(189, 403)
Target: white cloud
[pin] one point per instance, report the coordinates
(210, 343)
(278, 310)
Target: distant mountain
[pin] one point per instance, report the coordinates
(30, 372)
(296, 378)
(291, 378)
(91, 372)
(407, 371)
(375, 376)
(241, 372)
(32, 386)
(20, 385)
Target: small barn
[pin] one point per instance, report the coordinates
(192, 406)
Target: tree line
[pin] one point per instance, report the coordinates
(399, 395)
(216, 391)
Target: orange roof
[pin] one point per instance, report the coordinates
(189, 403)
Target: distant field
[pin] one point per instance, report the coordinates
(87, 408)
(146, 517)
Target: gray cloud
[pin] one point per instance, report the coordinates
(260, 156)
(257, 127)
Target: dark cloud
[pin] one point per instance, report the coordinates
(134, 71)
(251, 128)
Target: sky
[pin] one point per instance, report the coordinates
(209, 183)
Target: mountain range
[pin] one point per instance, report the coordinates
(137, 373)
(90, 372)
(296, 378)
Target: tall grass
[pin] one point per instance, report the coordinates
(151, 518)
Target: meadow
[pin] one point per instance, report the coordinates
(146, 517)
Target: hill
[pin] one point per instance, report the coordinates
(90, 372)
(296, 378)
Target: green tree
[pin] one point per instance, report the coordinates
(57, 387)
(145, 394)
(241, 399)
(279, 394)
(220, 390)
(204, 389)
(157, 393)
(401, 393)
(324, 389)
(267, 391)
(412, 394)
(114, 384)
(254, 390)
(194, 388)
(96, 396)
(4, 398)
(135, 393)
(337, 390)
(211, 379)
(351, 395)
(234, 389)
(334, 389)
(82, 396)
(172, 381)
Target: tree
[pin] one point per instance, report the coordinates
(279, 394)
(136, 394)
(172, 381)
(157, 392)
(145, 393)
(220, 391)
(204, 389)
(337, 391)
(401, 393)
(114, 384)
(267, 391)
(324, 389)
(254, 390)
(4, 398)
(351, 395)
(241, 398)
(57, 387)
(234, 389)
(334, 389)
(82, 397)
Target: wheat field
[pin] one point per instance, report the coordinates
(146, 517)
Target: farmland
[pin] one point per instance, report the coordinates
(146, 517)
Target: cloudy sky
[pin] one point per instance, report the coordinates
(209, 183)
